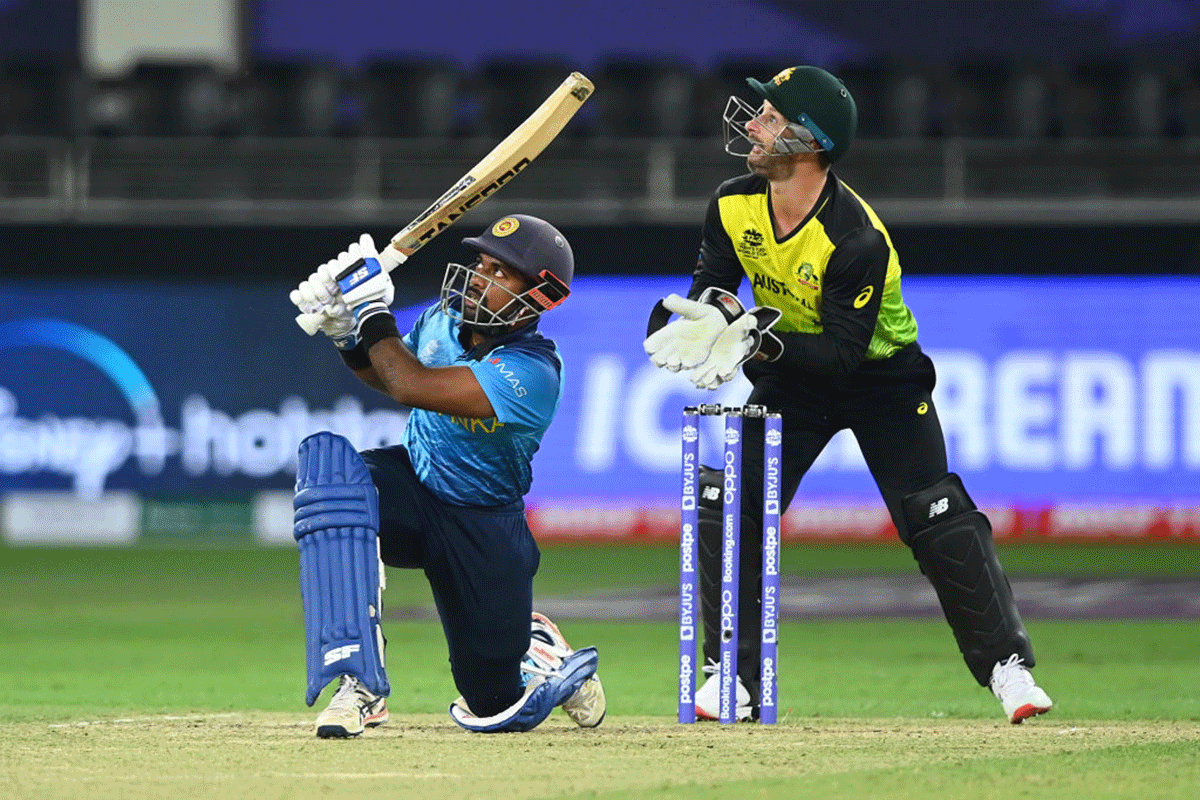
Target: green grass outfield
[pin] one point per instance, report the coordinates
(173, 670)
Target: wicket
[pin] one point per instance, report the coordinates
(730, 551)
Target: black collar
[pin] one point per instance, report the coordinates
(527, 331)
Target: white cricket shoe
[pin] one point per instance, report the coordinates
(548, 647)
(351, 709)
(1013, 685)
(708, 696)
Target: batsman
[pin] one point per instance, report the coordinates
(831, 345)
(483, 385)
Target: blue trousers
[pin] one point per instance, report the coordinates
(480, 564)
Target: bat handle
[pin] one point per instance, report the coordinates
(310, 323)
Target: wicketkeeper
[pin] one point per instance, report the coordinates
(831, 345)
(483, 385)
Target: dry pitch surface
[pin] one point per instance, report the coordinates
(266, 756)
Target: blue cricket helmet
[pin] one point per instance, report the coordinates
(531, 245)
(528, 244)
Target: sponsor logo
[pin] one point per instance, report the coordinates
(771, 543)
(509, 376)
(923, 408)
(203, 441)
(687, 543)
(688, 490)
(731, 479)
(506, 226)
(476, 425)
(769, 615)
(768, 683)
(728, 678)
(939, 507)
(685, 679)
(687, 612)
(336, 654)
(771, 472)
(468, 201)
(731, 305)
(369, 269)
(864, 297)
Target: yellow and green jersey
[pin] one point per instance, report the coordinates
(836, 277)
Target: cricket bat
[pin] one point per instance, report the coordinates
(506, 160)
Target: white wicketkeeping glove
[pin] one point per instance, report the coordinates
(685, 343)
(741, 340)
(318, 296)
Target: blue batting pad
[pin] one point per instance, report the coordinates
(336, 528)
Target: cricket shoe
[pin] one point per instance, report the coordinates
(1013, 685)
(351, 709)
(708, 696)
(547, 648)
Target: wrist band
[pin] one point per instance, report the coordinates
(356, 357)
(375, 327)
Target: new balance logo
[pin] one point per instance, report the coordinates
(939, 507)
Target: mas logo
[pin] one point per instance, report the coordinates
(751, 245)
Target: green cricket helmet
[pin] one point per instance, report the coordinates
(815, 100)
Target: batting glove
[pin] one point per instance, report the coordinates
(318, 296)
(363, 280)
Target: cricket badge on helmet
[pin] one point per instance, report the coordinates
(530, 245)
(820, 110)
(505, 226)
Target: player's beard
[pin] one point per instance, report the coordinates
(771, 166)
(766, 163)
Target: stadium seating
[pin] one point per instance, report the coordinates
(178, 98)
(637, 98)
(293, 98)
(411, 98)
(41, 98)
(645, 98)
(506, 91)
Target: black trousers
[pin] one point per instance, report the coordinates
(888, 407)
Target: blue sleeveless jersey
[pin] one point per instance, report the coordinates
(484, 462)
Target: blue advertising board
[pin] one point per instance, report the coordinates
(1050, 389)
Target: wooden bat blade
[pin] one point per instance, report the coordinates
(506, 160)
